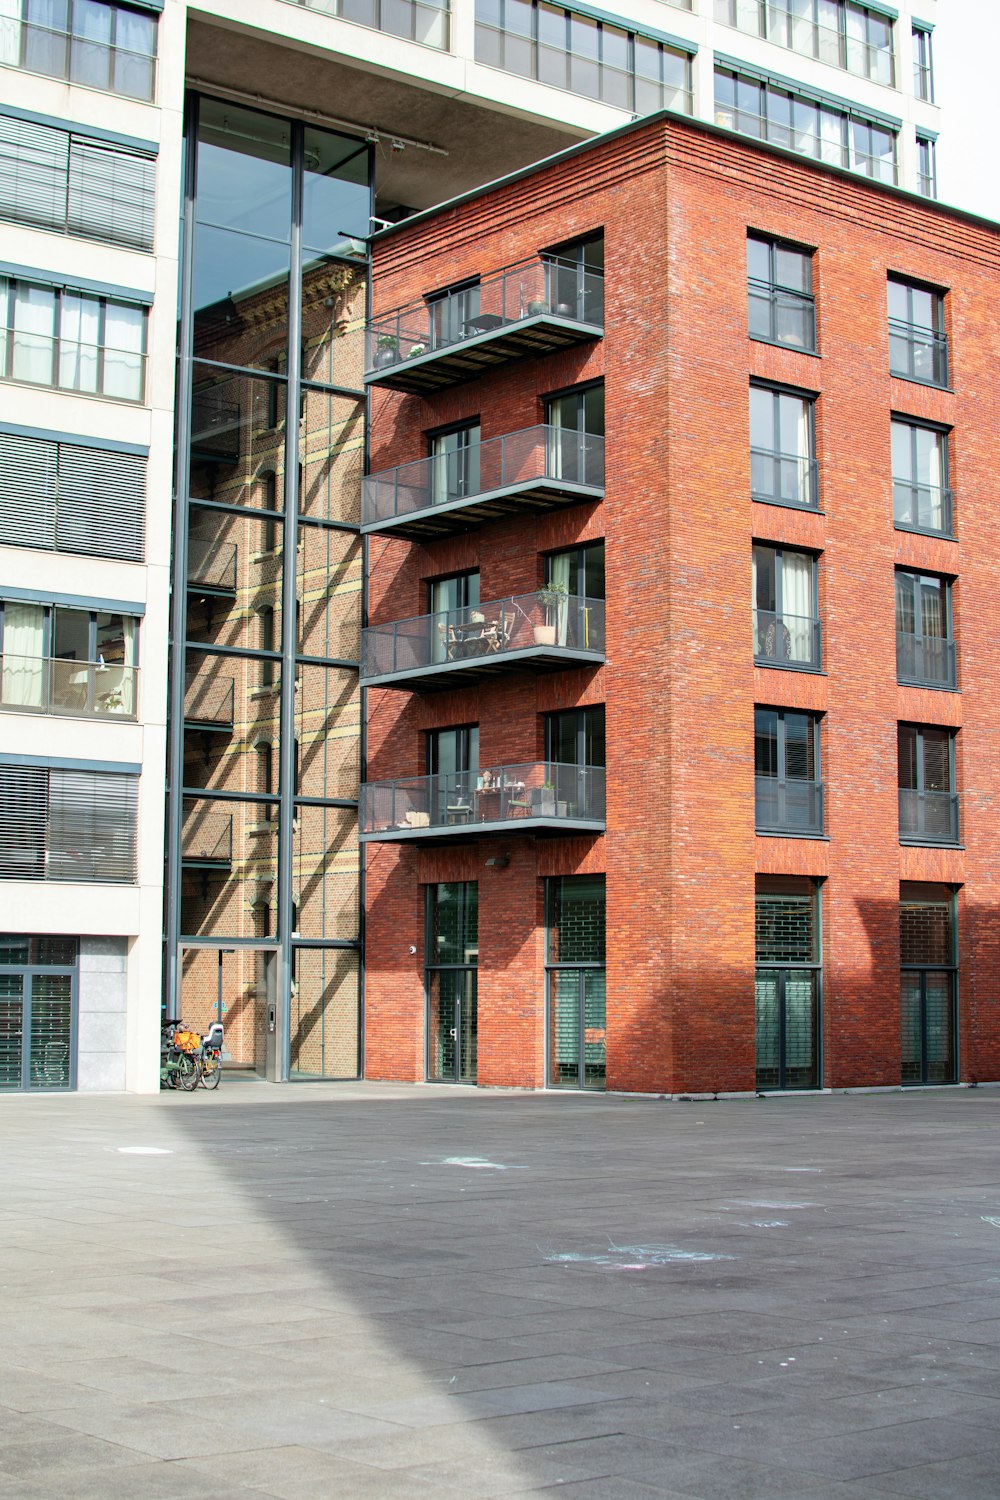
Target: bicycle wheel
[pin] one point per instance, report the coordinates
(188, 1072)
(211, 1071)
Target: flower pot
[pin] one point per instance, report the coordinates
(536, 308)
(384, 358)
(545, 635)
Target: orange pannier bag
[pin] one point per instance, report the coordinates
(187, 1041)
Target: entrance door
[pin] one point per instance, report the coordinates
(36, 1030)
(928, 1016)
(787, 1031)
(577, 1046)
(451, 1026)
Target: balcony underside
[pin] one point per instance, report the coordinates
(452, 516)
(205, 862)
(440, 368)
(548, 825)
(440, 676)
(207, 726)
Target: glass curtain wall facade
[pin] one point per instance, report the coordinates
(263, 866)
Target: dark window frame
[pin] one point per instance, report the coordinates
(773, 289)
(811, 398)
(783, 663)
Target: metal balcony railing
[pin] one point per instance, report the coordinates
(784, 478)
(515, 797)
(212, 566)
(917, 353)
(215, 423)
(209, 699)
(531, 292)
(788, 806)
(923, 507)
(56, 53)
(54, 685)
(206, 835)
(928, 817)
(67, 364)
(782, 317)
(925, 660)
(519, 460)
(460, 641)
(787, 640)
(809, 143)
(410, 19)
(810, 38)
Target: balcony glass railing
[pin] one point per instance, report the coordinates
(209, 699)
(788, 806)
(784, 478)
(484, 633)
(67, 364)
(917, 353)
(786, 640)
(517, 796)
(414, 20)
(93, 60)
(547, 287)
(206, 835)
(922, 507)
(782, 317)
(54, 685)
(925, 660)
(212, 565)
(928, 817)
(533, 455)
(810, 38)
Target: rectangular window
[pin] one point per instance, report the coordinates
(923, 69)
(101, 46)
(62, 497)
(453, 314)
(576, 737)
(60, 660)
(453, 604)
(925, 650)
(782, 465)
(63, 825)
(788, 790)
(928, 952)
(455, 464)
(928, 801)
(785, 615)
(72, 340)
(837, 32)
(575, 288)
(575, 435)
(921, 499)
(575, 981)
(926, 167)
(787, 982)
(781, 306)
(451, 960)
(918, 345)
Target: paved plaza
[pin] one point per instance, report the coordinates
(359, 1291)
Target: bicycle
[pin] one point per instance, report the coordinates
(209, 1057)
(178, 1066)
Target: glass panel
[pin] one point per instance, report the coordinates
(576, 931)
(765, 742)
(786, 928)
(336, 199)
(237, 439)
(452, 1025)
(333, 322)
(327, 730)
(134, 70)
(594, 1029)
(51, 1030)
(324, 1024)
(329, 591)
(907, 750)
(940, 1026)
(564, 1028)
(91, 51)
(937, 760)
(331, 451)
(912, 1029)
(325, 870)
(33, 338)
(925, 935)
(799, 739)
(23, 681)
(124, 337)
(11, 1030)
(800, 1029)
(768, 1030)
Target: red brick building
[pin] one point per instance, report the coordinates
(682, 730)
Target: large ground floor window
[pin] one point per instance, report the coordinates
(38, 1003)
(788, 983)
(928, 984)
(575, 982)
(452, 958)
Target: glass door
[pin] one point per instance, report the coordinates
(573, 420)
(452, 603)
(36, 1030)
(928, 1021)
(577, 1028)
(452, 1026)
(787, 1030)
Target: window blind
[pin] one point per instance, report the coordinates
(65, 497)
(67, 825)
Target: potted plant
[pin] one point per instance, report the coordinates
(551, 596)
(416, 349)
(535, 309)
(386, 351)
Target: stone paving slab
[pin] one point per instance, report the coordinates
(385, 1293)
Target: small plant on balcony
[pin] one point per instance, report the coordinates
(551, 596)
(417, 349)
(386, 350)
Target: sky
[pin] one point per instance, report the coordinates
(966, 49)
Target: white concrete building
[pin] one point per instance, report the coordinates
(92, 142)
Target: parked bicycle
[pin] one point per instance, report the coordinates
(209, 1056)
(188, 1058)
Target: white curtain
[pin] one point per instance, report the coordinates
(34, 328)
(128, 692)
(931, 509)
(79, 326)
(797, 604)
(123, 351)
(23, 666)
(831, 131)
(559, 576)
(10, 32)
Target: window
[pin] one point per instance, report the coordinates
(575, 284)
(926, 167)
(785, 618)
(452, 316)
(788, 791)
(77, 826)
(925, 651)
(923, 69)
(575, 424)
(266, 617)
(72, 340)
(779, 279)
(845, 137)
(455, 464)
(928, 802)
(584, 54)
(575, 981)
(38, 1042)
(918, 346)
(788, 982)
(264, 752)
(928, 953)
(82, 41)
(837, 32)
(578, 572)
(425, 21)
(450, 602)
(62, 497)
(576, 737)
(921, 499)
(782, 467)
(56, 659)
(453, 763)
(451, 960)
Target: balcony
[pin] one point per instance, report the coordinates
(534, 470)
(208, 702)
(211, 568)
(89, 59)
(541, 632)
(922, 507)
(53, 685)
(206, 837)
(925, 660)
(787, 641)
(538, 797)
(928, 817)
(784, 479)
(531, 308)
(215, 424)
(790, 807)
(918, 353)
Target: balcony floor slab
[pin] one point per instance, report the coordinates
(463, 832)
(444, 675)
(454, 363)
